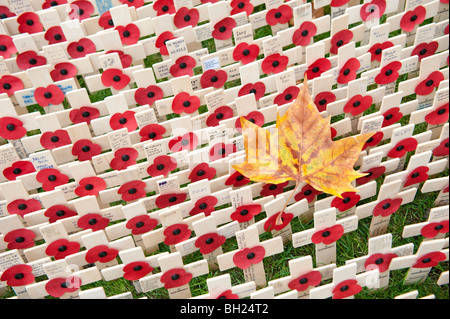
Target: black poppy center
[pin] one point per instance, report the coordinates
(63, 72)
(326, 233)
(415, 175)
(17, 171)
(110, 22)
(183, 65)
(150, 95)
(3, 48)
(172, 199)
(246, 52)
(19, 276)
(423, 51)
(244, 212)
(203, 206)
(322, 102)
(241, 5)
(222, 29)
(370, 140)
(62, 248)
(184, 142)
(57, 37)
(219, 116)
(278, 15)
(273, 187)
(80, 12)
(186, 103)
(116, 78)
(200, 173)
(102, 254)
(139, 224)
(288, 97)
(187, 17)
(305, 33)
(346, 72)
(89, 187)
(413, 18)
(344, 288)
(60, 213)
(125, 158)
(429, 83)
(19, 240)
(340, 43)
(122, 120)
(315, 69)
(92, 221)
(389, 116)
(303, 281)
(160, 167)
(250, 255)
(438, 227)
(209, 241)
(346, 200)
(400, 148)
(356, 103)
(214, 79)
(10, 127)
(29, 22)
(7, 86)
(307, 192)
(175, 277)
(165, 9)
(426, 260)
(379, 261)
(378, 51)
(137, 268)
(3, 15)
(54, 139)
(47, 95)
(441, 111)
(80, 48)
(51, 178)
(240, 178)
(252, 120)
(126, 33)
(176, 232)
(22, 206)
(85, 114)
(386, 206)
(275, 64)
(32, 61)
(388, 73)
(152, 135)
(132, 191)
(85, 148)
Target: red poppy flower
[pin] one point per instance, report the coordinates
(162, 165)
(50, 178)
(317, 68)
(164, 7)
(348, 71)
(257, 88)
(223, 29)
(123, 157)
(183, 102)
(125, 59)
(328, 235)
(274, 63)
(23, 238)
(166, 200)
(186, 17)
(358, 104)
(340, 39)
(391, 116)
(50, 95)
(303, 35)
(61, 248)
(246, 257)
(307, 192)
(255, 117)
(442, 148)
(84, 114)
(176, 233)
(176, 277)
(428, 85)
(51, 140)
(22, 207)
(271, 224)
(57, 287)
(273, 189)
(18, 275)
(133, 3)
(237, 179)
(213, 78)
(148, 95)
(92, 221)
(389, 73)
(132, 190)
(7, 46)
(219, 114)
(401, 148)
(245, 213)
(429, 260)
(207, 243)
(438, 116)
(6, 13)
(228, 294)
(246, 53)
(424, 50)
(141, 224)
(387, 207)
(373, 174)
(136, 270)
(152, 132)
(90, 186)
(106, 21)
(161, 42)
(280, 15)
(10, 84)
(129, 34)
(204, 205)
(288, 95)
(238, 6)
(29, 23)
(372, 10)
(376, 50)
(418, 175)
(54, 35)
(11, 128)
(322, 99)
(125, 119)
(81, 9)
(29, 59)
(188, 141)
(412, 18)
(84, 149)
(373, 140)
(57, 212)
(430, 230)
(81, 48)
(338, 3)
(63, 70)
(17, 169)
(379, 261)
(348, 200)
(202, 171)
(183, 66)
(115, 78)
(305, 281)
(101, 253)
(346, 289)
(221, 150)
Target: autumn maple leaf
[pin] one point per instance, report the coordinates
(300, 148)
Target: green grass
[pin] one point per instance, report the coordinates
(351, 245)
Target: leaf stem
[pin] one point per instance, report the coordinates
(278, 221)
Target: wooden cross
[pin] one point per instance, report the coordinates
(428, 255)
(64, 281)
(434, 228)
(174, 276)
(220, 287)
(413, 295)
(434, 115)
(346, 283)
(389, 200)
(443, 278)
(327, 230)
(250, 255)
(437, 184)
(99, 293)
(303, 277)
(380, 254)
(269, 293)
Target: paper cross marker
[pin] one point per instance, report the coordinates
(435, 227)
(437, 184)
